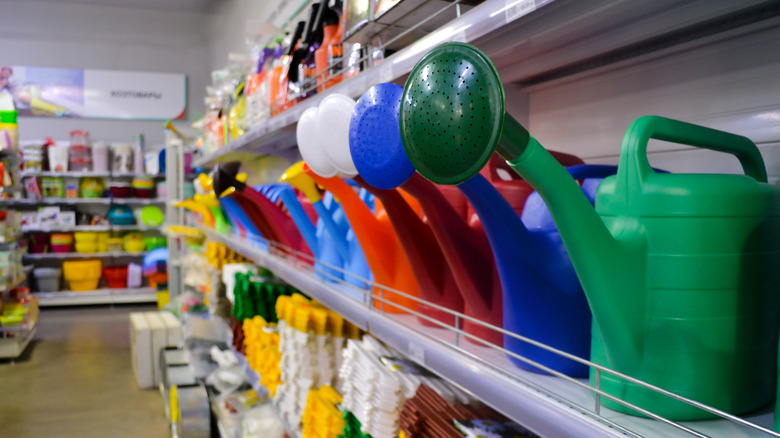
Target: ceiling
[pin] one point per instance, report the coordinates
(171, 5)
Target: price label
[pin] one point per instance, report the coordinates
(517, 8)
(417, 353)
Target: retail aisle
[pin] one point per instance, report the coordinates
(75, 380)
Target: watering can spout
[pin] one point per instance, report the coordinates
(594, 250)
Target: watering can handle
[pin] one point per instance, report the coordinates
(634, 154)
(496, 162)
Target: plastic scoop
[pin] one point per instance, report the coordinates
(444, 123)
(453, 262)
(380, 245)
(270, 219)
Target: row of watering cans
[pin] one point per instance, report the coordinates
(677, 269)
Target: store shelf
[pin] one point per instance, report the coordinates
(91, 228)
(548, 405)
(79, 201)
(90, 174)
(78, 255)
(57, 201)
(57, 229)
(13, 347)
(531, 42)
(100, 296)
(138, 201)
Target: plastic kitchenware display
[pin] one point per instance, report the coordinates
(91, 187)
(143, 187)
(79, 152)
(115, 276)
(122, 160)
(133, 242)
(380, 244)
(52, 187)
(120, 189)
(100, 157)
(121, 215)
(58, 158)
(678, 270)
(47, 279)
(82, 275)
(152, 216)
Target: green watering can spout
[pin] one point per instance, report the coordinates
(452, 120)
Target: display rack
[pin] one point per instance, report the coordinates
(79, 201)
(99, 296)
(79, 255)
(58, 229)
(89, 174)
(549, 405)
(531, 42)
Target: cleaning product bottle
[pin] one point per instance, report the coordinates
(329, 55)
(294, 74)
(307, 68)
(279, 74)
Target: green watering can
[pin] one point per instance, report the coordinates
(680, 270)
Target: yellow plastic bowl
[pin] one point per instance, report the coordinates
(102, 236)
(102, 246)
(77, 270)
(84, 285)
(85, 236)
(86, 247)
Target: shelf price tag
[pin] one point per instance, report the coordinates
(517, 8)
(417, 353)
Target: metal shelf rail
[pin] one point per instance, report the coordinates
(79, 255)
(550, 405)
(30, 229)
(99, 296)
(79, 201)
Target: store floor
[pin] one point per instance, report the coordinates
(75, 380)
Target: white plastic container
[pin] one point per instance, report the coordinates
(48, 279)
(123, 158)
(58, 158)
(100, 156)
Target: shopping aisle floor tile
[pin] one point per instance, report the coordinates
(75, 380)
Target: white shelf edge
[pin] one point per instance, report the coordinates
(92, 228)
(99, 296)
(520, 402)
(78, 255)
(87, 201)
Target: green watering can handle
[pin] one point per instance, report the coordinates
(633, 157)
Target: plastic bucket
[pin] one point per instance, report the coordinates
(48, 279)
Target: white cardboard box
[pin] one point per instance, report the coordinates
(173, 329)
(159, 341)
(141, 350)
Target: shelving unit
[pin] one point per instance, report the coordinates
(99, 296)
(90, 228)
(548, 405)
(78, 201)
(78, 255)
(89, 174)
(531, 42)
